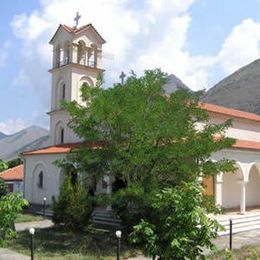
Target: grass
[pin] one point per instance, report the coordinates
(57, 243)
(28, 218)
(246, 252)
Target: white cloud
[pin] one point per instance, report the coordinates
(151, 35)
(170, 55)
(21, 79)
(242, 46)
(12, 126)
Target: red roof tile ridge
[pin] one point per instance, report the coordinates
(230, 111)
(12, 169)
(15, 173)
(66, 145)
(75, 30)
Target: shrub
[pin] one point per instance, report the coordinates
(10, 205)
(3, 188)
(73, 207)
(178, 226)
(131, 204)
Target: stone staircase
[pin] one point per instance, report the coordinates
(241, 223)
(105, 219)
(48, 212)
(38, 209)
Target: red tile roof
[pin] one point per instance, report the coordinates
(230, 112)
(73, 29)
(77, 30)
(245, 144)
(66, 148)
(63, 148)
(13, 174)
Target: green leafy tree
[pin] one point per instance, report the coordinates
(10, 206)
(14, 162)
(146, 136)
(147, 139)
(3, 165)
(3, 188)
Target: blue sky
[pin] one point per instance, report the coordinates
(200, 41)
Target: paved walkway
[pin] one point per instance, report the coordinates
(34, 224)
(6, 254)
(240, 239)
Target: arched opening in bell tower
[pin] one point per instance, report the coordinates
(67, 53)
(82, 52)
(92, 56)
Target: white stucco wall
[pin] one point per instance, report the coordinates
(51, 180)
(57, 118)
(241, 128)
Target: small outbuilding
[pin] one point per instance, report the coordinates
(13, 178)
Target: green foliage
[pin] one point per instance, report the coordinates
(178, 226)
(3, 188)
(3, 165)
(209, 204)
(131, 204)
(146, 136)
(14, 162)
(73, 207)
(10, 206)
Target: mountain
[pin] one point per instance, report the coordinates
(174, 84)
(2, 135)
(240, 90)
(30, 138)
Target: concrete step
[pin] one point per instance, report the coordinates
(238, 230)
(48, 212)
(105, 219)
(239, 223)
(112, 220)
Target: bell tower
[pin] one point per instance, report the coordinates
(77, 56)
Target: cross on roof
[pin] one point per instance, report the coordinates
(76, 19)
(122, 77)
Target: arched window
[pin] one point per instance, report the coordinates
(86, 80)
(62, 135)
(60, 93)
(40, 180)
(59, 133)
(63, 91)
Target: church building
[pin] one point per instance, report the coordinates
(77, 59)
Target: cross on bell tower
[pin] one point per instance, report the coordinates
(76, 19)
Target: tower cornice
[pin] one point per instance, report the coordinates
(76, 65)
